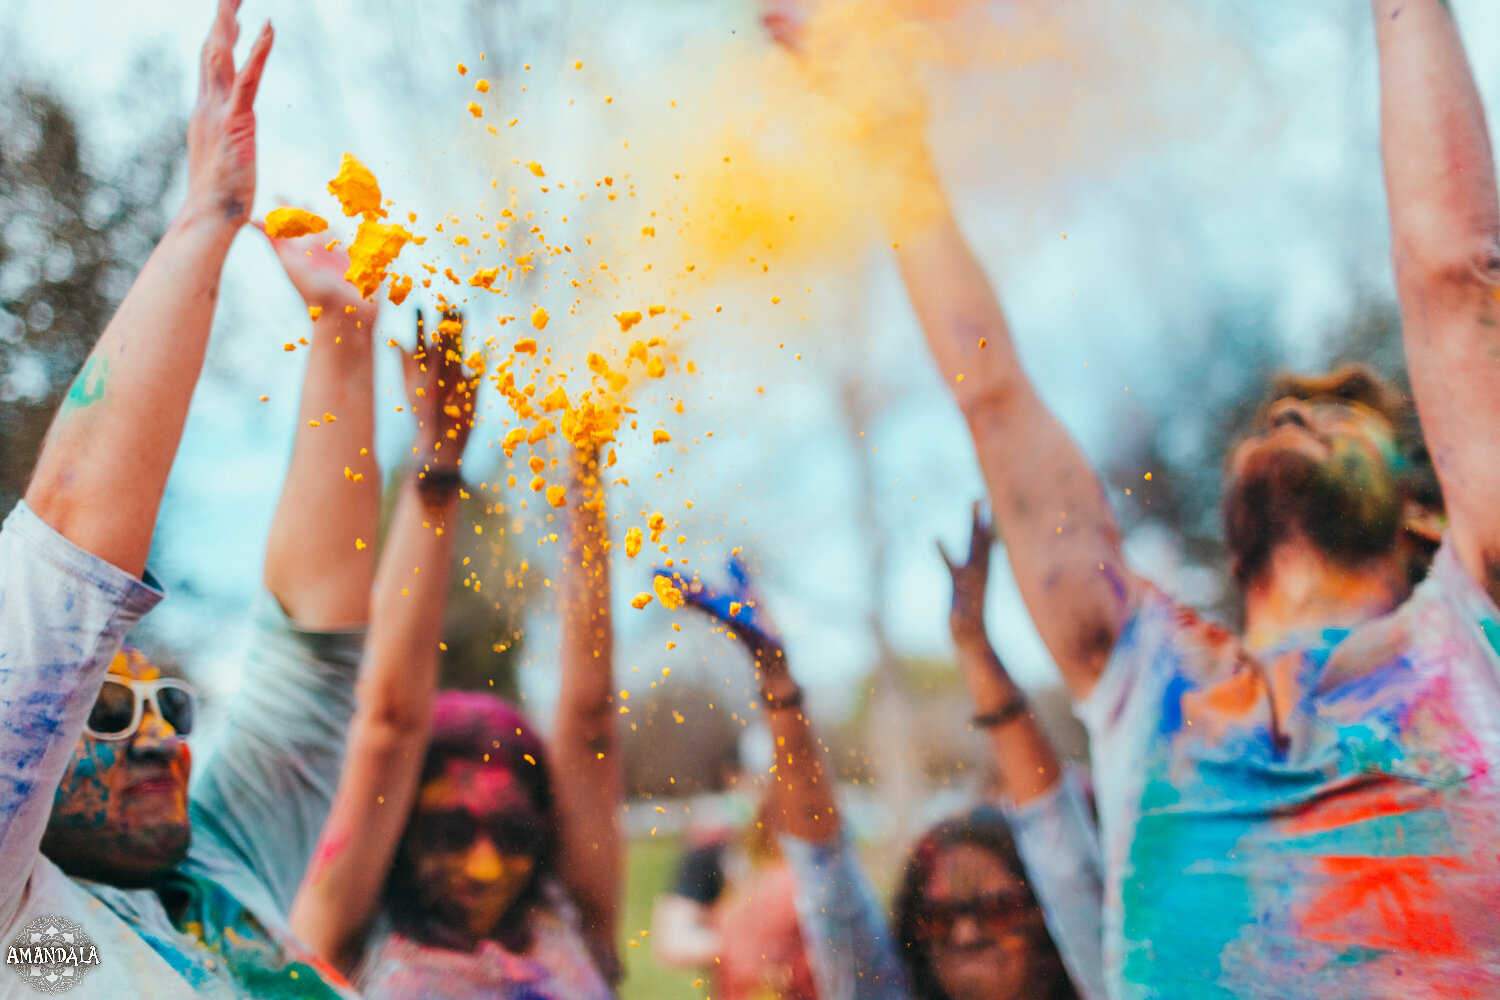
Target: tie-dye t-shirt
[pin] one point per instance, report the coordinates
(1320, 818)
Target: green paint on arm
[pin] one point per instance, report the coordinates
(88, 387)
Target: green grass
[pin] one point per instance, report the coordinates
(650, 864)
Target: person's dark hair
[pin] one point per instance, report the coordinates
(985, 829)
(471, 726)
(1252, 528)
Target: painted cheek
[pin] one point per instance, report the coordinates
(83, 795)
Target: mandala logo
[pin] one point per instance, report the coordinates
(52, 954)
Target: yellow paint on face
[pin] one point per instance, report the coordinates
(133, 665)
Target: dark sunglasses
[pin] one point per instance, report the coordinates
(453, 830)
(121, 705)
(998, 914)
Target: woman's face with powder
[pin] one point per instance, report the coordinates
(472, 846)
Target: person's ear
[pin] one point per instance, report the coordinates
(1423, 522)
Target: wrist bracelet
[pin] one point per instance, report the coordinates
(439, 484)
(1008, 712)
(793, 700)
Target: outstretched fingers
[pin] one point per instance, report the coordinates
(982, 535)
(247, 82)
(943, 555)
(216, 69)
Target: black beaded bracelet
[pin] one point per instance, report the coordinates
(1008, 712)
(793, 700)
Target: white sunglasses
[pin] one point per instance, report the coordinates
(122, 702)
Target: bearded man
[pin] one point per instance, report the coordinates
(1309, 808)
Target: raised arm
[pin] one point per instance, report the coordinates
(1027, 764)
(1445, 221)
(1046, 810)
(320, 556)
(104, 465)
(1058, 529)
(803, 798)
(586, 752)
(842, 923)
(341, 893)
(266, 789)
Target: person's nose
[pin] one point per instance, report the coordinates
(1288, 411)
(155, 737)
(965, 932)
(483, 863)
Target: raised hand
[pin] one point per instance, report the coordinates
(221, 131)
(970, 580)
(440, 391)
(739, 609)
(318, 275)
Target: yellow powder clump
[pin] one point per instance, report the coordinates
(375, 245)
(591, 423)
(556, 496)
(450, 329)
(485, 277)
(557, 399)
(476, 110)
(660, 436)
(655, 310)
(640, 600)
(539, 318)
(315, 312)
(655, 369)
(540, 431)
(536, 168)
(483, 86)
(538, 483)
(734, 608)
(633, 542)
(356, 189)
(657, 523)
(287, 223)
(525, 345)
(669, 595)
(400, 289)
(627, 320)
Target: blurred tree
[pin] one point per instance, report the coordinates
(684, 742)
(73, 234)
(487, 598)
(486, 604)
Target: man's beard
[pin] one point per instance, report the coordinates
(126, 860)
(1349, 510)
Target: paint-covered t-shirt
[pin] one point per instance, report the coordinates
(1317, 818)
(558, 965)
(216, 926)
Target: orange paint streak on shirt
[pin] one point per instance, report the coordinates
(1385, 903)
